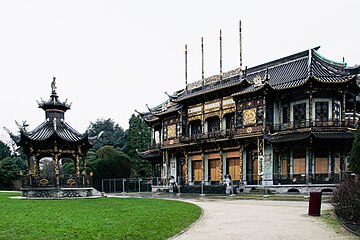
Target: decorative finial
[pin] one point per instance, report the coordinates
(221, 72)
(53, 86)
(240, 43)
(202, 61)
(186, 80)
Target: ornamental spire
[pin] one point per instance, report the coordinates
(53, 86)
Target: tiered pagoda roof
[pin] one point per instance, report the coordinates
(285, 73)
(54, 127)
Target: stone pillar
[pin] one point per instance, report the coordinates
(224, 165)
(206, 168)
(189, 168)
(203, 165)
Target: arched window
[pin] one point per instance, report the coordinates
(213, 124)
(229, 120)
(195, 127)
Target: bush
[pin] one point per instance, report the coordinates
(346, 200)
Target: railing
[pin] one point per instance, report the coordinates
(317, 178)
(217, 134)
(64, 181)
(130, 184)
(231, 132)
(309, 123)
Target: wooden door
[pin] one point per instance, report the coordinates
(255, 169)
(214, 170)
(234, 168)
(198, 173)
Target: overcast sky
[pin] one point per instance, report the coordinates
(112, 57)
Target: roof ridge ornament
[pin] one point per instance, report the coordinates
(53, 86)
(258, 80)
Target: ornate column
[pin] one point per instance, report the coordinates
(166, 167)
(186, 167)
(77, 162)
(221, 165)
(343, 110)
(264, 109)
(56, 159)
(221, 114)
(202, 119)
(235, 115)
(36, 165)
(203, 165)
(241, 150)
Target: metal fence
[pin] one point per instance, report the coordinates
(214, 185)
(129, 184)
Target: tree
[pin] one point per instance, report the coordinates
(9, 172)
(355, 153)
(4, 150)
(109, 163)
(113, 134)
(138, 139)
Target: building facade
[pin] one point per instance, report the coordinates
(285, 125)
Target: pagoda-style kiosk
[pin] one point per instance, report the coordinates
(52, 141)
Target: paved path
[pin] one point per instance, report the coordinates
(258, 219)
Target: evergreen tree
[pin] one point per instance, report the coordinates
(113, 134)
(9, 172)
(355, 153)
(109, 163)
(139, 136)
(4, 150)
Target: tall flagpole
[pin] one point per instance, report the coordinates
(221, 70)
(186, 80)
(240, 42)
(202, 61)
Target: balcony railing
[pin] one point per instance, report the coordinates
(309, 123)
(218, 134)
(231, 132)
(316, 178)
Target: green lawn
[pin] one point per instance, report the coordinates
(102, 218)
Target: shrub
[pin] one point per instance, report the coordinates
(346, 200)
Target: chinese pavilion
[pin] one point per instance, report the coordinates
(55, 140)
(285, 125)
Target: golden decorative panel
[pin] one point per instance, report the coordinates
(171, 131)
(43, 182)
(249, 117)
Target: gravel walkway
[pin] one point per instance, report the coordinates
(258, 219)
